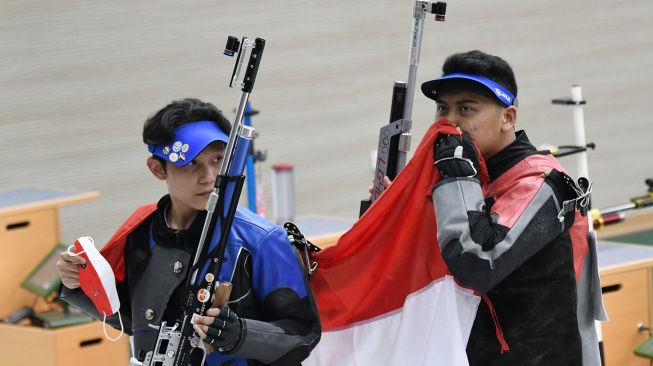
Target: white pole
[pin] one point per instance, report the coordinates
(583, 169)
(579, 137)
(579, 130)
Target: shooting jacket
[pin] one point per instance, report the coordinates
(270, 293)
(536, 267)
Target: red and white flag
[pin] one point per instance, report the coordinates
(384, 293)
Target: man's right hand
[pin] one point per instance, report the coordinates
(68, 269)
(386, 184)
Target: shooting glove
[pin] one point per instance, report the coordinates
(455, 157)
(226, 330)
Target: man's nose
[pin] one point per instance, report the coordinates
(451, 117)
(209, 173)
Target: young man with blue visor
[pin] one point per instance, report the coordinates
(518, 243)
(271, 316)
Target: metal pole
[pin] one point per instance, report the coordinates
(250, 173)
(283, 193)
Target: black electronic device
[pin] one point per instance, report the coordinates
(18, 315)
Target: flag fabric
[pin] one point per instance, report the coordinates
(114, 249)
(384, 292)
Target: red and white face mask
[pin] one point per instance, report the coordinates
(97, 279)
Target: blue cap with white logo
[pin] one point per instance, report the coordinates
(430, 88)
(190, 139)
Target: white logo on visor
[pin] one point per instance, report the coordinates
(503, 95)
(173, 157)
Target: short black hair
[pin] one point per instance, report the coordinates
(480, 63)
(160, 128)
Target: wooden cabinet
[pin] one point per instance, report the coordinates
(29, 229)
(627, 298)
(25, 238)
(83, 344)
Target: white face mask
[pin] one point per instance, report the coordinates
(97, 280)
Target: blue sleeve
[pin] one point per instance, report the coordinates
(290, 327)
(276, 266)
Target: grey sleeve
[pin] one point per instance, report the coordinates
(78, 299)
(259, 335)
(478, 251)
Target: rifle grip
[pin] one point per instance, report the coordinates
(222, 293)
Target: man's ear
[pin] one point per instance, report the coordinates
(157, 168)
(509, 118)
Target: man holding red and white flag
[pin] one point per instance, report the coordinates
(477, 214)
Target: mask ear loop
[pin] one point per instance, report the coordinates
(72, 253)
(104, 328)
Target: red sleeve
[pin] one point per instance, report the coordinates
(114, 249)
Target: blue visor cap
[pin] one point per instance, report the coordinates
(190, 139)
(430, 88)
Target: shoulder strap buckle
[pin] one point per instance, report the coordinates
(583, 190)
(304, 246)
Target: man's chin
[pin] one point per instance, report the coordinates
(200, 204)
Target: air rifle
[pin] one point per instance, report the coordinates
(615, 214)
(177, 343)
(394, 138)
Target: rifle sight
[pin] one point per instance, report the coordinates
(232, 46)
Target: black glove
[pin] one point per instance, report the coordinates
(455, 157)
(226, 330)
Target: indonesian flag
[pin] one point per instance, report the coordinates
(384, 293)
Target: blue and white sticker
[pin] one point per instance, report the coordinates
(176, 146)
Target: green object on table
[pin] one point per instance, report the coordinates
(44, 278)
(59, 318)
(645, 349)
(640, 237)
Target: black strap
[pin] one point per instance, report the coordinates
(304, 246)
